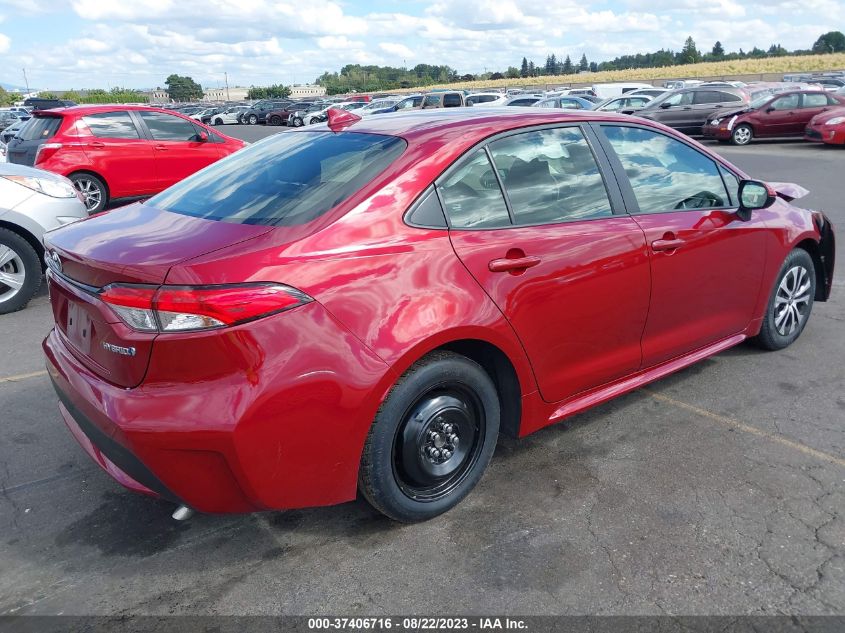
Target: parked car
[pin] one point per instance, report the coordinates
(36, 103)
(32, 201)
(522, 101)
(282, 116)
(229, 115)
(623, 105)
(373, 278)
(23, 113)
(617, 89)
(782, 114)
(7, 118)
(446, 99)
(111, 152)
(827, 127)
(688, 109)
(564, 101)
(648, 92)
(486, 98)
(377, 105)
(829, 83)
(411, 102)
(8, 133)
(259, 110)
(297, 117)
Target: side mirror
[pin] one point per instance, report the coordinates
(202, 137)
(754, 195)
(769, 109)
(665, 105)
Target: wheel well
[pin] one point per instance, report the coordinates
(500, 369)
(29, 237)
(812, 249)
(93, 173)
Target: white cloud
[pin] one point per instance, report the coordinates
(5, 43)
(397, 51)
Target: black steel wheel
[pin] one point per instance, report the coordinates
(432, 438)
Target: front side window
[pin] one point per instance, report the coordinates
(111, 125)
(613, 105)
(665, 173)
(548, 103)
(166, 127)
(789, 102)
(431, 101)
(285, 180)
(410, 102)
(550, 176)
(472, 197)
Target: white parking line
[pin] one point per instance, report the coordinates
(745, 428)
(19, 377)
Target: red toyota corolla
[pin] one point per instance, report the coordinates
(117, 151)
(367, 305)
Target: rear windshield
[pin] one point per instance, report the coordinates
(40, 128)
(285, 180)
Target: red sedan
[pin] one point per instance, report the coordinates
(115, 151)
(780, 115)
(827, 127)
(366, 305)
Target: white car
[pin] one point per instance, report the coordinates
(625, 104)
(32, 202)
(228, 116)
(487, 99)
(378, 104)
(321, 115)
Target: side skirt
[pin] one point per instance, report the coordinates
(598, 395)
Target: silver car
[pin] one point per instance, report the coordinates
(32, 201)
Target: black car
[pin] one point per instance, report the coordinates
(281, 116)
(36, 103)
(259, 110)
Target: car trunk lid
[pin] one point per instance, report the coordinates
(137, 244)
(23, 148)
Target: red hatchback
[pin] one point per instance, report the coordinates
(780, 115)
(367, 305)
(114, 152)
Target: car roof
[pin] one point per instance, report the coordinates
(479, 121)
(82, 110)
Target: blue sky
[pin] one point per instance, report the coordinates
(137, 43)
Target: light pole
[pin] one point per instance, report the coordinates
(26, 81)
(226, 75)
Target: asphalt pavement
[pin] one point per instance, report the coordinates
(718, 490)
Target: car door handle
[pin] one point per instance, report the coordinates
(97, 145)
(508, 264)
(161, 148)
(666, 245)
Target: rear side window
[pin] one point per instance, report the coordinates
(285, 180)
(815, 100)
(431, 101)
(707, 96)
(451, 100)
(111, 125)
(665, 173)
(550, 176)
(472, 196)
(40, 128)
(167, 127)
(789, 102)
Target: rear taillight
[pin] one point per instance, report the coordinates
(190, 308)
(45, 151)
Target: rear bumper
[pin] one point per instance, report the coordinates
(274, 435)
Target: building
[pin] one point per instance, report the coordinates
(307, 90)
(232, 93)
(157, 96)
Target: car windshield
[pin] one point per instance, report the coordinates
(285, 180)
(760, 100)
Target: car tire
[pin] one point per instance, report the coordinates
(93, 189)
(443, 408)
(297, 121)
(790, 303)
(742, 134)
(252, 119)
(20, 272)
(218, 121)
(275, 120)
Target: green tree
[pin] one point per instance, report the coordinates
(594, 67)
(523, 71)
(6, 98)
(47, 95)
(689, 53)
(532, 70)
(718, 51)
(567, 66)
(512, 72)
(583, 65)
(776, 50)
(551, 65)
(182, 88)
(832, 42)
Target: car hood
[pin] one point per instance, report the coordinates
(12, 169)
(823, 117)
(722, 114)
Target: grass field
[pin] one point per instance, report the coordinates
(726, 69)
